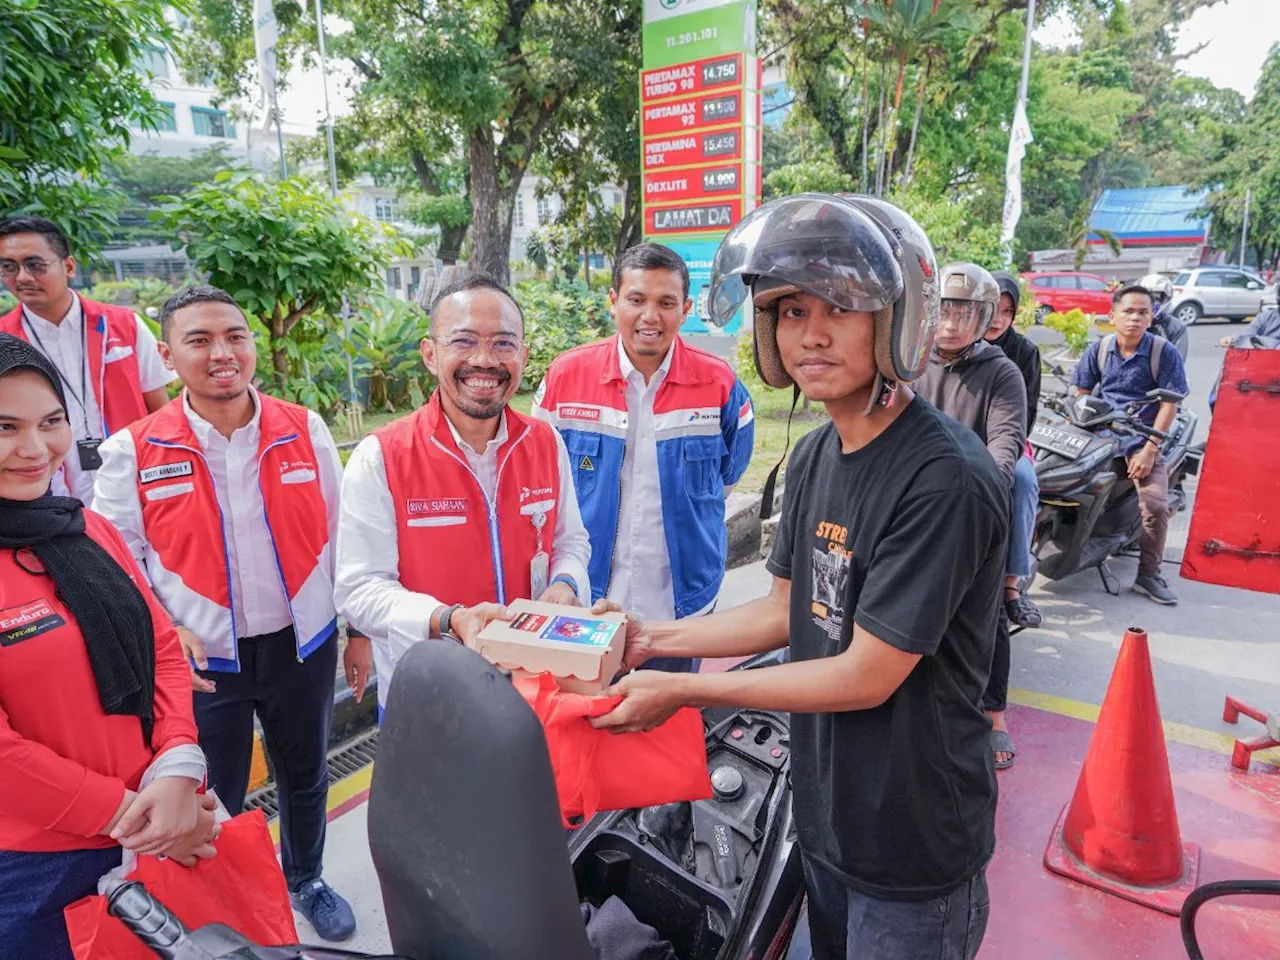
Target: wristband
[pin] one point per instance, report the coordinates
(446, 620)
(566, 579)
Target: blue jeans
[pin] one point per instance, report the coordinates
(1022, 517)
(34, 888)
(294, 702)
(847, 925)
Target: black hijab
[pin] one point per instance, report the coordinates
(47, 536)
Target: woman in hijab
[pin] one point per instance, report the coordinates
(98, 748)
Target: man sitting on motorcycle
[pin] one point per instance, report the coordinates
(1128, 378)
(1163, 322)
(975, 384)
(887, 567)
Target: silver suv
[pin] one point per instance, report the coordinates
(1216, 292)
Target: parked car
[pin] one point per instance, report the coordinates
(1061, 290)
(1216, 292)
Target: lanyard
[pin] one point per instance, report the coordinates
(84, 365)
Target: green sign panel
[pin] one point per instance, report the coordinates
(677, 31)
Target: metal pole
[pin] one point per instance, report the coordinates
(1244, 229)
(333, 189)
(284, 165)
(1026, 52)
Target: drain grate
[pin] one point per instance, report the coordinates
(343, 762)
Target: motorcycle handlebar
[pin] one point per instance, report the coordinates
(151, 922)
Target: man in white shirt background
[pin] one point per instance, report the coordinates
(106, 355)
(228, 498)
(452, 512)
(658, 432)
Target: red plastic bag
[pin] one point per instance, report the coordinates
(242, 887)
(596, 770)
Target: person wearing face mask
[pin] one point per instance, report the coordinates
(105, 355)
(228, 500)
(452, 512)
(658, 433)
(98, 746)
(974, 383)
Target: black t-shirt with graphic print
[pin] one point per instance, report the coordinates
(906, 537)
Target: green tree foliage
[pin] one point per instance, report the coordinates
(146, 178)
(70, 92)
(284, 249)
(1247, 160)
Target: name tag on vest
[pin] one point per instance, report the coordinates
(166, 471)
(436, 512)
(118, 353)
(29, 620)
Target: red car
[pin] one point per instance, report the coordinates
(1057, 291)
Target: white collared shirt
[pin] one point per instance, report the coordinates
(641, 578)
(260, 604)
(63, 343)
(367, 584)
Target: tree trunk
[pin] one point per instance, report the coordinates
(629, 233)
(893, 126)
(915, 125)
(490, 231)
(279, 355)
(884, 76)
(866, 111)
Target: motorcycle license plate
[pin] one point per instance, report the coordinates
(1061, 442)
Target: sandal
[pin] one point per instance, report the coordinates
(1022, 611)
(1001, 742)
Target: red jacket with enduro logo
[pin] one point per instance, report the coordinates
(64, 763)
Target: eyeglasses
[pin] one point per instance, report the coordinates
(503, 346)
(35, 266)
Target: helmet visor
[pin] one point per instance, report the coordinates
(816, 243)
(961, 323)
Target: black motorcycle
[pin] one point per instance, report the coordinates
(1088, 508)
(489, 879)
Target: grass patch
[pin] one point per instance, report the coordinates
(772, 407)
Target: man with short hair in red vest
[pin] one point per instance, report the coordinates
(228, 499)
(106, 356)
(454, 511)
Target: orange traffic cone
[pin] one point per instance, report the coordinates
(1120, 831)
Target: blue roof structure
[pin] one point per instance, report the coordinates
(1151, 216)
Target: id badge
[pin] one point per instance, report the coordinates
(539, 570)
(90, 459)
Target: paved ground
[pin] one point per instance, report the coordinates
(1216, 641)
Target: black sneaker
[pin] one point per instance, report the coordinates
(329, 914)
(1155, 588)
(1022, 611)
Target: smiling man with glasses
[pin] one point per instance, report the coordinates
(452, 512)
(106, 356)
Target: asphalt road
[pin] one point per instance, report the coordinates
(1216, 641)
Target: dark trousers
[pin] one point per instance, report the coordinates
(294, 703)
(34, 889)
(997, 693)
(845, 924)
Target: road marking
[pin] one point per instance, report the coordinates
(1177, 732)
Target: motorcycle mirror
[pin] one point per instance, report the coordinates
(464, 825)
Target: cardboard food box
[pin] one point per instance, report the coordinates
(582, 650)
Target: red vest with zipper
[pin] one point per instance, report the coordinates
(111, 335)
(187, 556)
(454, 544)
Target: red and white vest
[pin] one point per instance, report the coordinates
(111, 334)
(186, 540)
(455, 544)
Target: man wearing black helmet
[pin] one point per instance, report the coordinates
(887, 568)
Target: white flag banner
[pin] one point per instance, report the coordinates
(1019, 137)
(266, 33)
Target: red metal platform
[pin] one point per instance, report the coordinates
(1035, 915)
